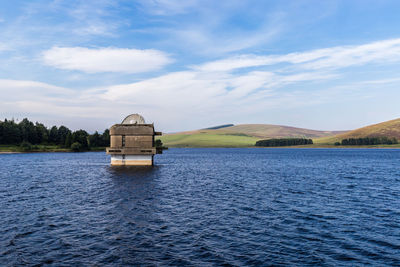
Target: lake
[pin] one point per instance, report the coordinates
(202, 207)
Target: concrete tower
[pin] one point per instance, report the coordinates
(132, 142)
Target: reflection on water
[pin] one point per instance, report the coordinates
(245, 207)
(132, 171)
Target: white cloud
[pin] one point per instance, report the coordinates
(106, 59)
(214, 92)
(177, 98)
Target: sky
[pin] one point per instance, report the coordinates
(192, 64)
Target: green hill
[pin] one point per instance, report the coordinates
(384, 129)
(207, 140)
(243, 135)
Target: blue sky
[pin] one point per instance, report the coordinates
(326, 65)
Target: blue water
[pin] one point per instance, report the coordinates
(202, 207)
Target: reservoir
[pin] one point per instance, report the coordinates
(202, 207)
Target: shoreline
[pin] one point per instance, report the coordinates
(293, 147)
(258, 147)
(46, 151)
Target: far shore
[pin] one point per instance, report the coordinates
(17, 150)
(258, 147)
(47, 151)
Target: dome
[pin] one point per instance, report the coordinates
(134, 119)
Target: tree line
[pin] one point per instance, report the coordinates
(284, 142)
(367, 141)
(27, 133)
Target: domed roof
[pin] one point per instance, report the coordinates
(134, 119)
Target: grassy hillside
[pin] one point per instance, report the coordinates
(387, 128)
(274, 131)
(243, 135)
(207, 140)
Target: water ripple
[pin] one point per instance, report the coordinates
(202, 207)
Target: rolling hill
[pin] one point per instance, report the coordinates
(242, 135)
(388, 128)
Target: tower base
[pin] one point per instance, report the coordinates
(131, 160)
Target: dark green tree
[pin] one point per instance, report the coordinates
(68, 140)
(26, 146)
(42, 133)
(95, 140)
(62, 135)
(105, 138)
(28, 131)
(11, 133)
(81, 137)
(76, 147)
(53, 135)
(1, 132)
(158, 143)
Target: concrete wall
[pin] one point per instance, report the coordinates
(132, 160)
(116, 141)
(138, 141)
(121, 129)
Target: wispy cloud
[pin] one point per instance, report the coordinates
(167, 7)
(4, 47)
(105, 59)
(204, 41)
(328, 58)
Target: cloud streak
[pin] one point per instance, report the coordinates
(327, 58)
(106, 59)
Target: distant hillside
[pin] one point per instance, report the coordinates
(242, 135)
(275, 131)
(387, 128)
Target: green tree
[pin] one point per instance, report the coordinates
(81, 137)
(28, 131)
(26, 146)
(105, 138)
(11, 133)
(62, 135)
(76, 147)
(42, 133)
(158, 143)
(68, 140)
(1, 132)
(53, 135)
(95, 140)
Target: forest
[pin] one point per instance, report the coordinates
(367, 141)
(28, 135)
(284, 142)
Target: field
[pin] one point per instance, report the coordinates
(244, 135)
(207, 140)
